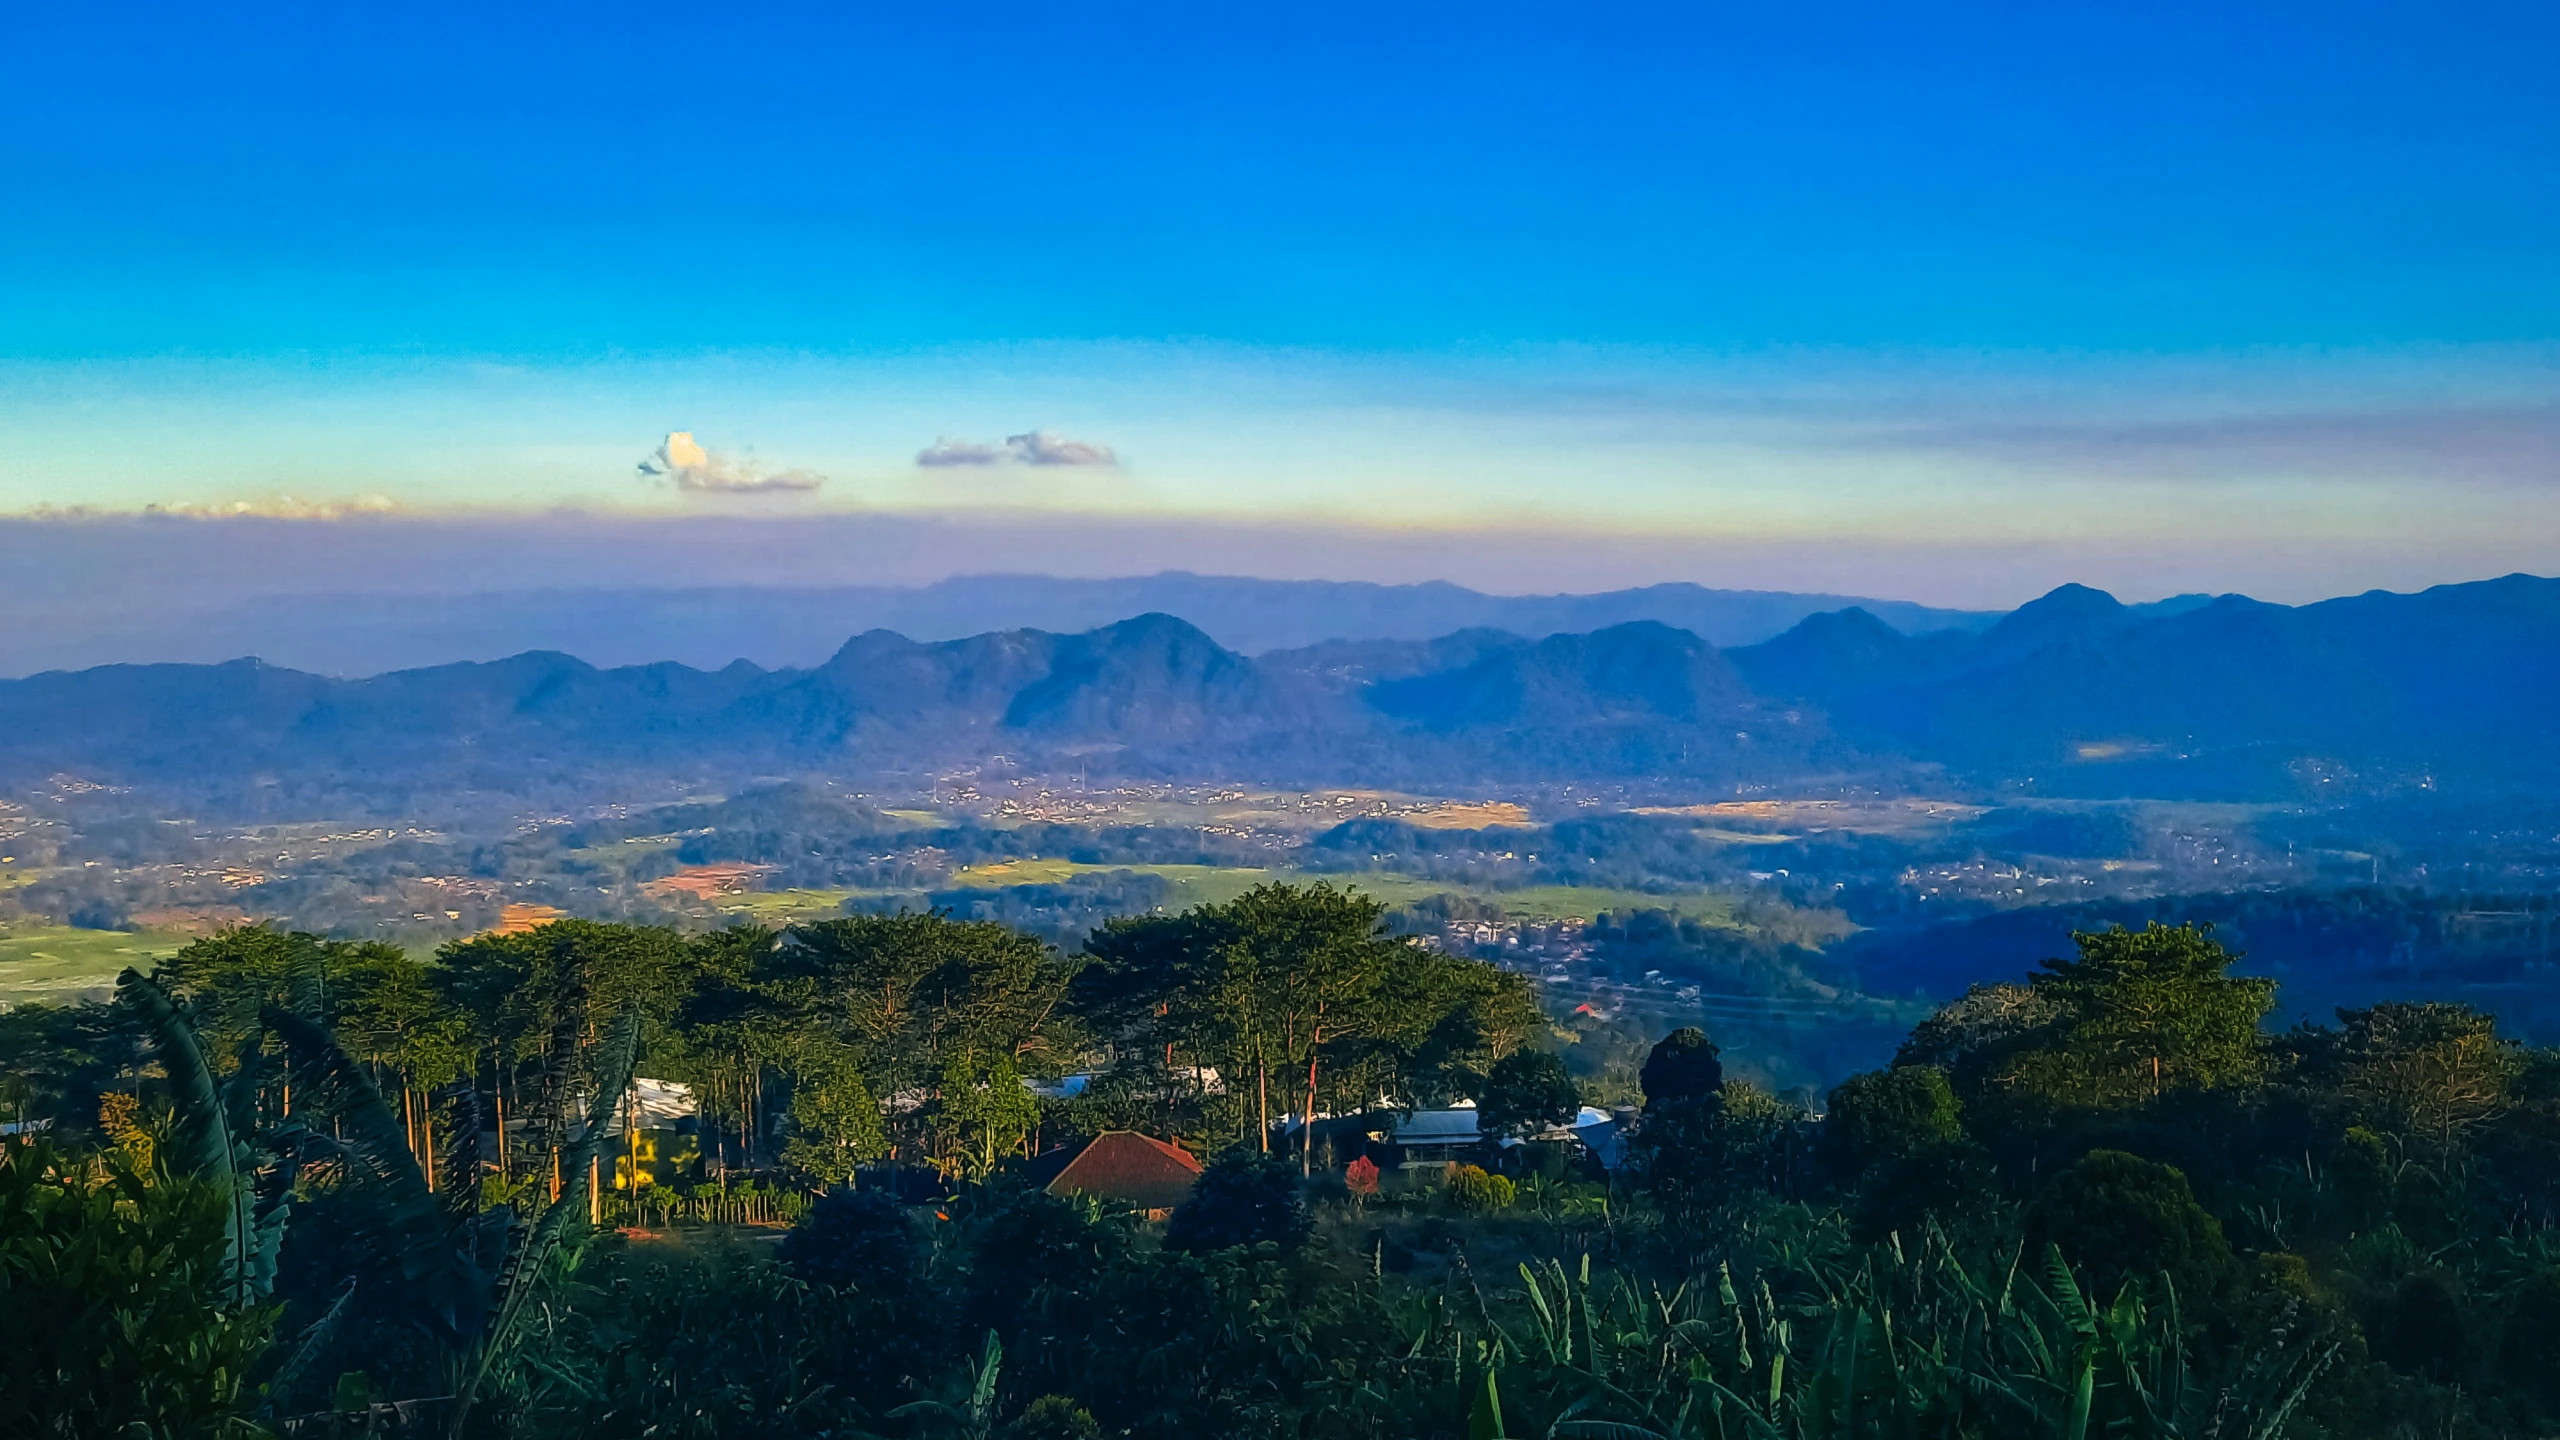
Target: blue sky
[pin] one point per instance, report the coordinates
(1790, 276)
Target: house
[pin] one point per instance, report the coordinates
(1595, 1141)
(1434, 1137)
(657, 1134)
(1604, 1135)
(1121, 1167)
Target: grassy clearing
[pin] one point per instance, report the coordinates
(782, 907)
(1214, 885)
(1562, 902)
(60, 964)
(1192, 884)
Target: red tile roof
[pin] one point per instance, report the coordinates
(1130, 1169)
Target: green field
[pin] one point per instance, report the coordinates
(782, 907)
(1216, 885)
(1212, 885)
(1192, 884)
(56, 962)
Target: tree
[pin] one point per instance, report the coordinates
(1243, 1198)
(57, 1062)
(541, 999)
(2120, 1217)
(904, 995)
(730, 1041)
(1703, 1154)
(981, 1112)
(1682, 1066)
(1974, 1037)
(1302, 985)
(1294, 975)
(1443, 1021)
(855, 1240)
(2142, 1012)
(225, 977)
(2429, 1073)
(1887, 1115)
(835, 1121)
(1527, 1090)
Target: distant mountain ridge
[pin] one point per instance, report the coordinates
(356, 635)
(2072, 694)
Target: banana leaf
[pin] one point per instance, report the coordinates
(407, 1236)
(204, 1140)
(619, 1057)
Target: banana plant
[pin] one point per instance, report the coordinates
(212, 1125)
(466, 1274)
(520, 1272)
(434, 1257)
(1484, 1416)
(974, 1418)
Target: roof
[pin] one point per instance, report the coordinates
(1453, 1126)
(1129, 1168)
(657, 1102)
(1604, 1138)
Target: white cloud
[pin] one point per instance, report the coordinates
(696, 470)
(946, 451)
(1043, 447)
(1039, 447)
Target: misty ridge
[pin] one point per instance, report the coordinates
(705, 625)
(2454, 690)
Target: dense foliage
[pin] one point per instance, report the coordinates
(115, 1309)
(2104, 1200)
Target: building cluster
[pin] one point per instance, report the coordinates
(1560, 941)
(658, 1127)
(2000, 882)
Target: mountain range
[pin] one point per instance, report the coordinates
(2075, 693)
(783, 626)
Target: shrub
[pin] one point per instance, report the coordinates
(1053, 1417)
(1472, 1188)
(2119, 1217)
(2361, 1177)
(854, 1240)
(1245, 1198)
(109, 1317)
(2533, 1339)
(1024, 1243)
(1360, 1177)
(1952, 1183)
(1887, 1115)
(2421, 1329)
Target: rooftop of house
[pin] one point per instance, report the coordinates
(1121, 1166)
(1453, 1126)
